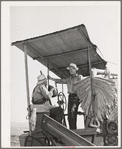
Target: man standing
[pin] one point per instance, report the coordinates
(73, 101)
(42, 96)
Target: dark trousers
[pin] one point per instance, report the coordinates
(72, 115)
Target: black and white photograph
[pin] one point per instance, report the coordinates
(60, 74)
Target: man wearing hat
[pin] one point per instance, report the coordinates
(40, 93)
(73, 101)
(42, 96)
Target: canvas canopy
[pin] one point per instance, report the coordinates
(57, 50)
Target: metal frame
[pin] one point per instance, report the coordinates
(54, 69)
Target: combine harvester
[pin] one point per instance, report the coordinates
(98, 96)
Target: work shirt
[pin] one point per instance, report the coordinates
(70, 82)
(40, 93)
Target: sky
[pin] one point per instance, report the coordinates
(23, 20)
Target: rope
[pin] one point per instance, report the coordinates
(112, 63)
(104, 57)
(100, 52)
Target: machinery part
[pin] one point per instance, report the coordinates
(31, 141)
(28, 141)
(66, 136)
(62, 101)
(48, 140)
(112, 127)
(111, 140)
(94, 122)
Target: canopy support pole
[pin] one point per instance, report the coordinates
(92, 85)
(90, 71)
(48, 80)
(62, 87)
(47, 74)
(27, 84)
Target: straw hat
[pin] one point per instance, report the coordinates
(72, 65)
(41, 78)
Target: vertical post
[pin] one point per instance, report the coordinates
(27, 84)
(47, 74)
(62, 87)
(92, 90)
(48, 80)
(92, 85)
(90, 69)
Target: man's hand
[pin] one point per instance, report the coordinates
(54, 91)
(73, 108)
(49, 77)
(51, 92)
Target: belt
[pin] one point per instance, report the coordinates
(73, 98)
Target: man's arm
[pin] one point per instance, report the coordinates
(60, 81)
(45, 93)
(80, 77)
